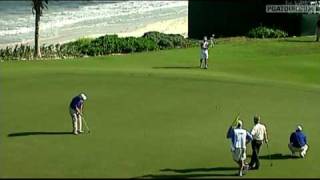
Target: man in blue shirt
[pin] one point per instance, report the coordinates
(76, 112)
(298, 142)
(239, 139)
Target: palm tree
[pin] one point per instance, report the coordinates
(37, 7)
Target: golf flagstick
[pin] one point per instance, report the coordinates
(269, 154)
(234, 123)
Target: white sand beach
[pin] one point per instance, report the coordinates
(172, 26)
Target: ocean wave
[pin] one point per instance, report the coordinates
(61, 15)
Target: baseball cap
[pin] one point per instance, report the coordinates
(83, 96)
(240, 123)
(299, 128)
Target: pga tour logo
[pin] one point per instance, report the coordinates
(309, 9)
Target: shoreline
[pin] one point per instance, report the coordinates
(170, 26)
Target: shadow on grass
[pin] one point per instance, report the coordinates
(37, 133)
(177, 67)
(277, 156)
(200, 169)
(194, 173)
(184, 176)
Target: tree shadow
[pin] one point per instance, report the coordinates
(177, 67)
(37, 133)
(277, 156)
(194, 173)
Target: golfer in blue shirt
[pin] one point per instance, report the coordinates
(298, 142)
(76, 112)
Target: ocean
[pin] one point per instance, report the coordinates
(69, 20)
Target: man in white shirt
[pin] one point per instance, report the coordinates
(239, 138)
(204, 54)
(259, 134)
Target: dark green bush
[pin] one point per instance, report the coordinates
(264, 32)
(104, 45)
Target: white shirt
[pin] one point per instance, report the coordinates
(239, 140)
(204, 45)
(258, 131)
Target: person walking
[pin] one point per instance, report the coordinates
(76, 112)
(204, 54)
(259, 135)
(239, 139)
(298, 142)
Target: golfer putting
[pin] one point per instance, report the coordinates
(76, 112)
(239, 139)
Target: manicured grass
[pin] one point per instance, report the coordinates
(158, 115)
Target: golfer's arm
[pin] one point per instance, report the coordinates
(266, 138)
(79, 110)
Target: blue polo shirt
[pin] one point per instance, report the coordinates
(76, 102)
(298, 139)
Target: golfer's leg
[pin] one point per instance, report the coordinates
(80, 123)
(240, 167)
(206, 58)
(206, 62)
(258, 145)
(304, 150)
(75, 124)
(291, 148)
(252, 161)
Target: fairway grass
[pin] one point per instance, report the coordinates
(157, 115)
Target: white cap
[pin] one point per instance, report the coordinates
(205, 38)
(299, 128)
(239, 123)
(83, 96)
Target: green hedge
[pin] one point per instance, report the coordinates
(264, 32)
(104, 45)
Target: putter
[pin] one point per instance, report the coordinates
(269, 154)
(235, 120)
(85, 123)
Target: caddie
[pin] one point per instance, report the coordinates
(239, 139)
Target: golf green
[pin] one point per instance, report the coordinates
(157, 115)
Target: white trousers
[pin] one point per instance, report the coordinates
(302, 150)
(204, 55)
(76, 121)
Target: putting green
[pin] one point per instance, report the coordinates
(158, 115)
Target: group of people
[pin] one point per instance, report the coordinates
(257, 136)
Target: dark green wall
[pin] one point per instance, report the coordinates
(236, 17)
